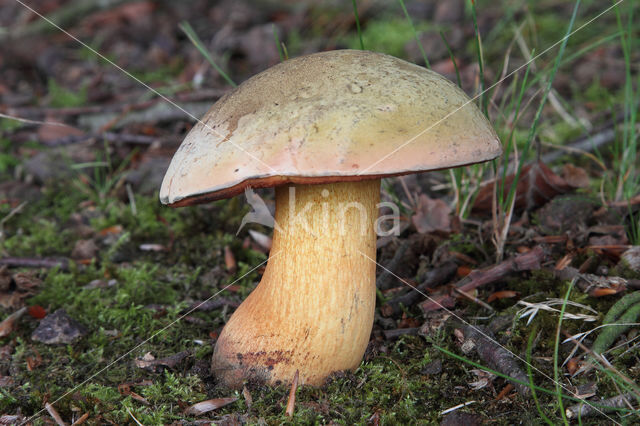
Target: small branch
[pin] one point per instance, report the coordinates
(495, 356)
(606, 405)
(523, 262)
(27, 262)
(396, 333)
(386, 279)
(435, 277)
(588, 283)
(291, 403)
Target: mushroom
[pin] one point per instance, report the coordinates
(322, 129)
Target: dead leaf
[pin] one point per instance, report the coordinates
(37, 312)
(84, 249)
(575, 176)
(111, 230)
(631, 258)
(8, 325)
(537, 185)
(229, 260)
(504, 391)
(125, 389)
(572, 365)
(15, 288)
(53, 131)
(247, 397)
(483, 379)
(149, 362)
(505, 294)
(431, 215)
(209, 405)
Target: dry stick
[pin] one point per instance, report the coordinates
(53, 413)
(523, 262)
(496, 356)
(291, 403)
(606, 405)
(29, 262)
(587, 282)
(385, 280)
(435, 277)
(395, 333)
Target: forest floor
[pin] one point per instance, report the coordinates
(85, 242)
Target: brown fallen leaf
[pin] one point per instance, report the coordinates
(52, 130)
(125, 390)
(247, 397)
(431, 215)
(572, 365)
(504, 294)
(9, 323)
(575, 176)
(149, 362)
(84, 249)
(14, 288)
(111, 230)
(208, 405)
(229, 260)
(537, 185)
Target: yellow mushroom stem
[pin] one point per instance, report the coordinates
(313, 310)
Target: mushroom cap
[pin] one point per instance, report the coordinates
(335, 116)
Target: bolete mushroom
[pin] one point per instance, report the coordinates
(323, 129)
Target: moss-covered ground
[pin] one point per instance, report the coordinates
(137, 314)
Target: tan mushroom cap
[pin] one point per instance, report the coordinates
(328, 117)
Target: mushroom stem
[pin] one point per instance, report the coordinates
(313, 310)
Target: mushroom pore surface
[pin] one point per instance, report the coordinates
(313, 309)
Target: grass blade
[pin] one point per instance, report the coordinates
(193, 37)
(355, 13)
(415, 34)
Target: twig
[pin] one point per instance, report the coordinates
(12, 213)
(588, 282)
(386, 279)
(435, 277)
(496, 356)
(211, 305)
(32, 262)
(394, 334)
(291, 403)
(523, 262)
(606, 405)
(54, 413)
